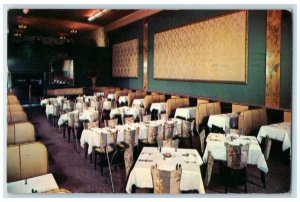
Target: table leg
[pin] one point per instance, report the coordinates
(268, 143)
(210, 163)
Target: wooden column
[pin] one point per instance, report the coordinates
(145, 56)
(272, 97)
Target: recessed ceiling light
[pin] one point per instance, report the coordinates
(73, 31)
(21, 26)
(25, 10)
(98, 14)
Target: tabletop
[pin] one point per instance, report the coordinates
(41, 184)
(186, 112)
(189, 159)
(159, 106)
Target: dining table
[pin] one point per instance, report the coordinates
(159, 106)
(39, 184)
(222, 120)
(122, 99)
(138, 103)
(185, 112)
(279, 131)
(90, 115)
(189, 159)
(111, 96)
(216, 150)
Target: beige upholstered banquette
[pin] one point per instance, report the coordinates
(203, 111)
(174, 103)
(65, 91)
(202, 101)
(119, 93)
(26, 161)
(287, 117)
(15, 108)
(18, 133)
(16, 117)
(12, 99)
(239, 108)
(153, 98)
(251, 120)
(109, 90)
(135, 95)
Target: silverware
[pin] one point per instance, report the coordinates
(145, 160)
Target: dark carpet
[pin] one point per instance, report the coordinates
(75, 173)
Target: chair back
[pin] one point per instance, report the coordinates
(237, 155)
(152, 134)
(128, 120)
(112, 123)
(147, 118)
(56, 110)
(108, 138)
(187, 128)
(71, 119)
(166, 181)
(168, 143)
(169, 130)
(130, 137)
(163, 117)
(87, 125)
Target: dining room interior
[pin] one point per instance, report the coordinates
(105, 101)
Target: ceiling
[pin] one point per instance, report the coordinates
(60, 22)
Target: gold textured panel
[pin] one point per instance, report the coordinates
(213, 50)
(125, 59)
(273, 59)
(145, 57)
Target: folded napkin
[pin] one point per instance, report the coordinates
(192, 158)
(143, 156)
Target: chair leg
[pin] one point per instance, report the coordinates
(64, 131)
(95, 160)
(245, 176)
(191, 140)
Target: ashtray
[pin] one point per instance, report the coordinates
(167, 155)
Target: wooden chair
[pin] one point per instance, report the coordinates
(166, 181)
(112, 123)
(128, 120)
(236, 160)
(168, 131)
(107, 147)
(147, 118)
(152, 134)
(168, 143)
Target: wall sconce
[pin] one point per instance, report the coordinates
(17, 34)
(21, 26)
(25, 11)
(98, 14)
(73, 31)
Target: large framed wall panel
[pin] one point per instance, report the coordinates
(211, 50)
(125, 59)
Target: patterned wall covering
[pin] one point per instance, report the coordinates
(99, 37)
(273, 59)
(213, 50)
(125, 59)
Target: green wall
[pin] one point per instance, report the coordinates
(253, 92)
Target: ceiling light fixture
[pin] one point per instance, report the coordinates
(98, 14)
(73, 31)
(17, 34)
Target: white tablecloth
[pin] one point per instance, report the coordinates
(49, 110)
(137, 103)
(279, 131)
(90, 115)
(159, 106)
(191, 176)
(187, 112)
(122, 99)
(221, 120)
(111, 96)
(41, 184)
(125, 111)
(216, 145)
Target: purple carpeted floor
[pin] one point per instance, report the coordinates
(75, 173)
